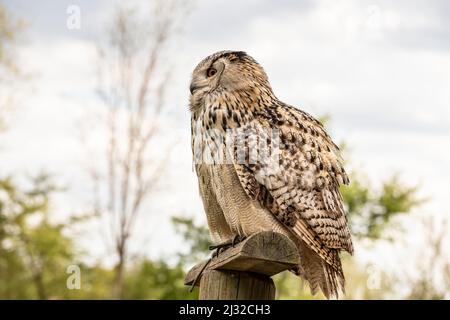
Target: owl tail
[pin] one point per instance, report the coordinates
(319, 274)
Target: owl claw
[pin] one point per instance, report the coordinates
(237, 239)
(219, 248)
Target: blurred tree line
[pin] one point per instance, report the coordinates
(35, 253)
(36, 250)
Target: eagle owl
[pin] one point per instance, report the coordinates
(263, 165)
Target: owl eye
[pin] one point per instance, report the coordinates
(210, 72)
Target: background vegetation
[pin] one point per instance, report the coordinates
(36, 249)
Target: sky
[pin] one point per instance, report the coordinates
(379, 69)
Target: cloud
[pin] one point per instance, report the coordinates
(381, 69)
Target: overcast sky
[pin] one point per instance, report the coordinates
(380, 69)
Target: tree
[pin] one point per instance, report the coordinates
(33, 250)
(432, 280)
(196, 237)
(133, 83)
(370, 210)
(10, 73)
(156, 280)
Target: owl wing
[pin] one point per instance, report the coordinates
(296, 176)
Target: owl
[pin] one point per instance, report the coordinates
(263, 165)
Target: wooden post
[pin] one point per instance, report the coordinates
(243, 272)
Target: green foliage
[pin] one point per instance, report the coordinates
(362, 282)
(95, 283)
(156, 280)
(34, 252)
(195, 236)
(290, 287)
(14, 278)
(370, 210)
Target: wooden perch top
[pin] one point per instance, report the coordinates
(266, 253)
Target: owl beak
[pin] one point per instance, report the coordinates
(193, 87)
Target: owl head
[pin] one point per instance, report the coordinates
(227, 71)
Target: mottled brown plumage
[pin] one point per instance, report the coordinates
(265, 165)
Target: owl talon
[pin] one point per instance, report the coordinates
(218, 248)
(237, 239)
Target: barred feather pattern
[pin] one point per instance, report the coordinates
(291, 188)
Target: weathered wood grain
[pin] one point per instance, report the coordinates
(244, 271)
(236, 285)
